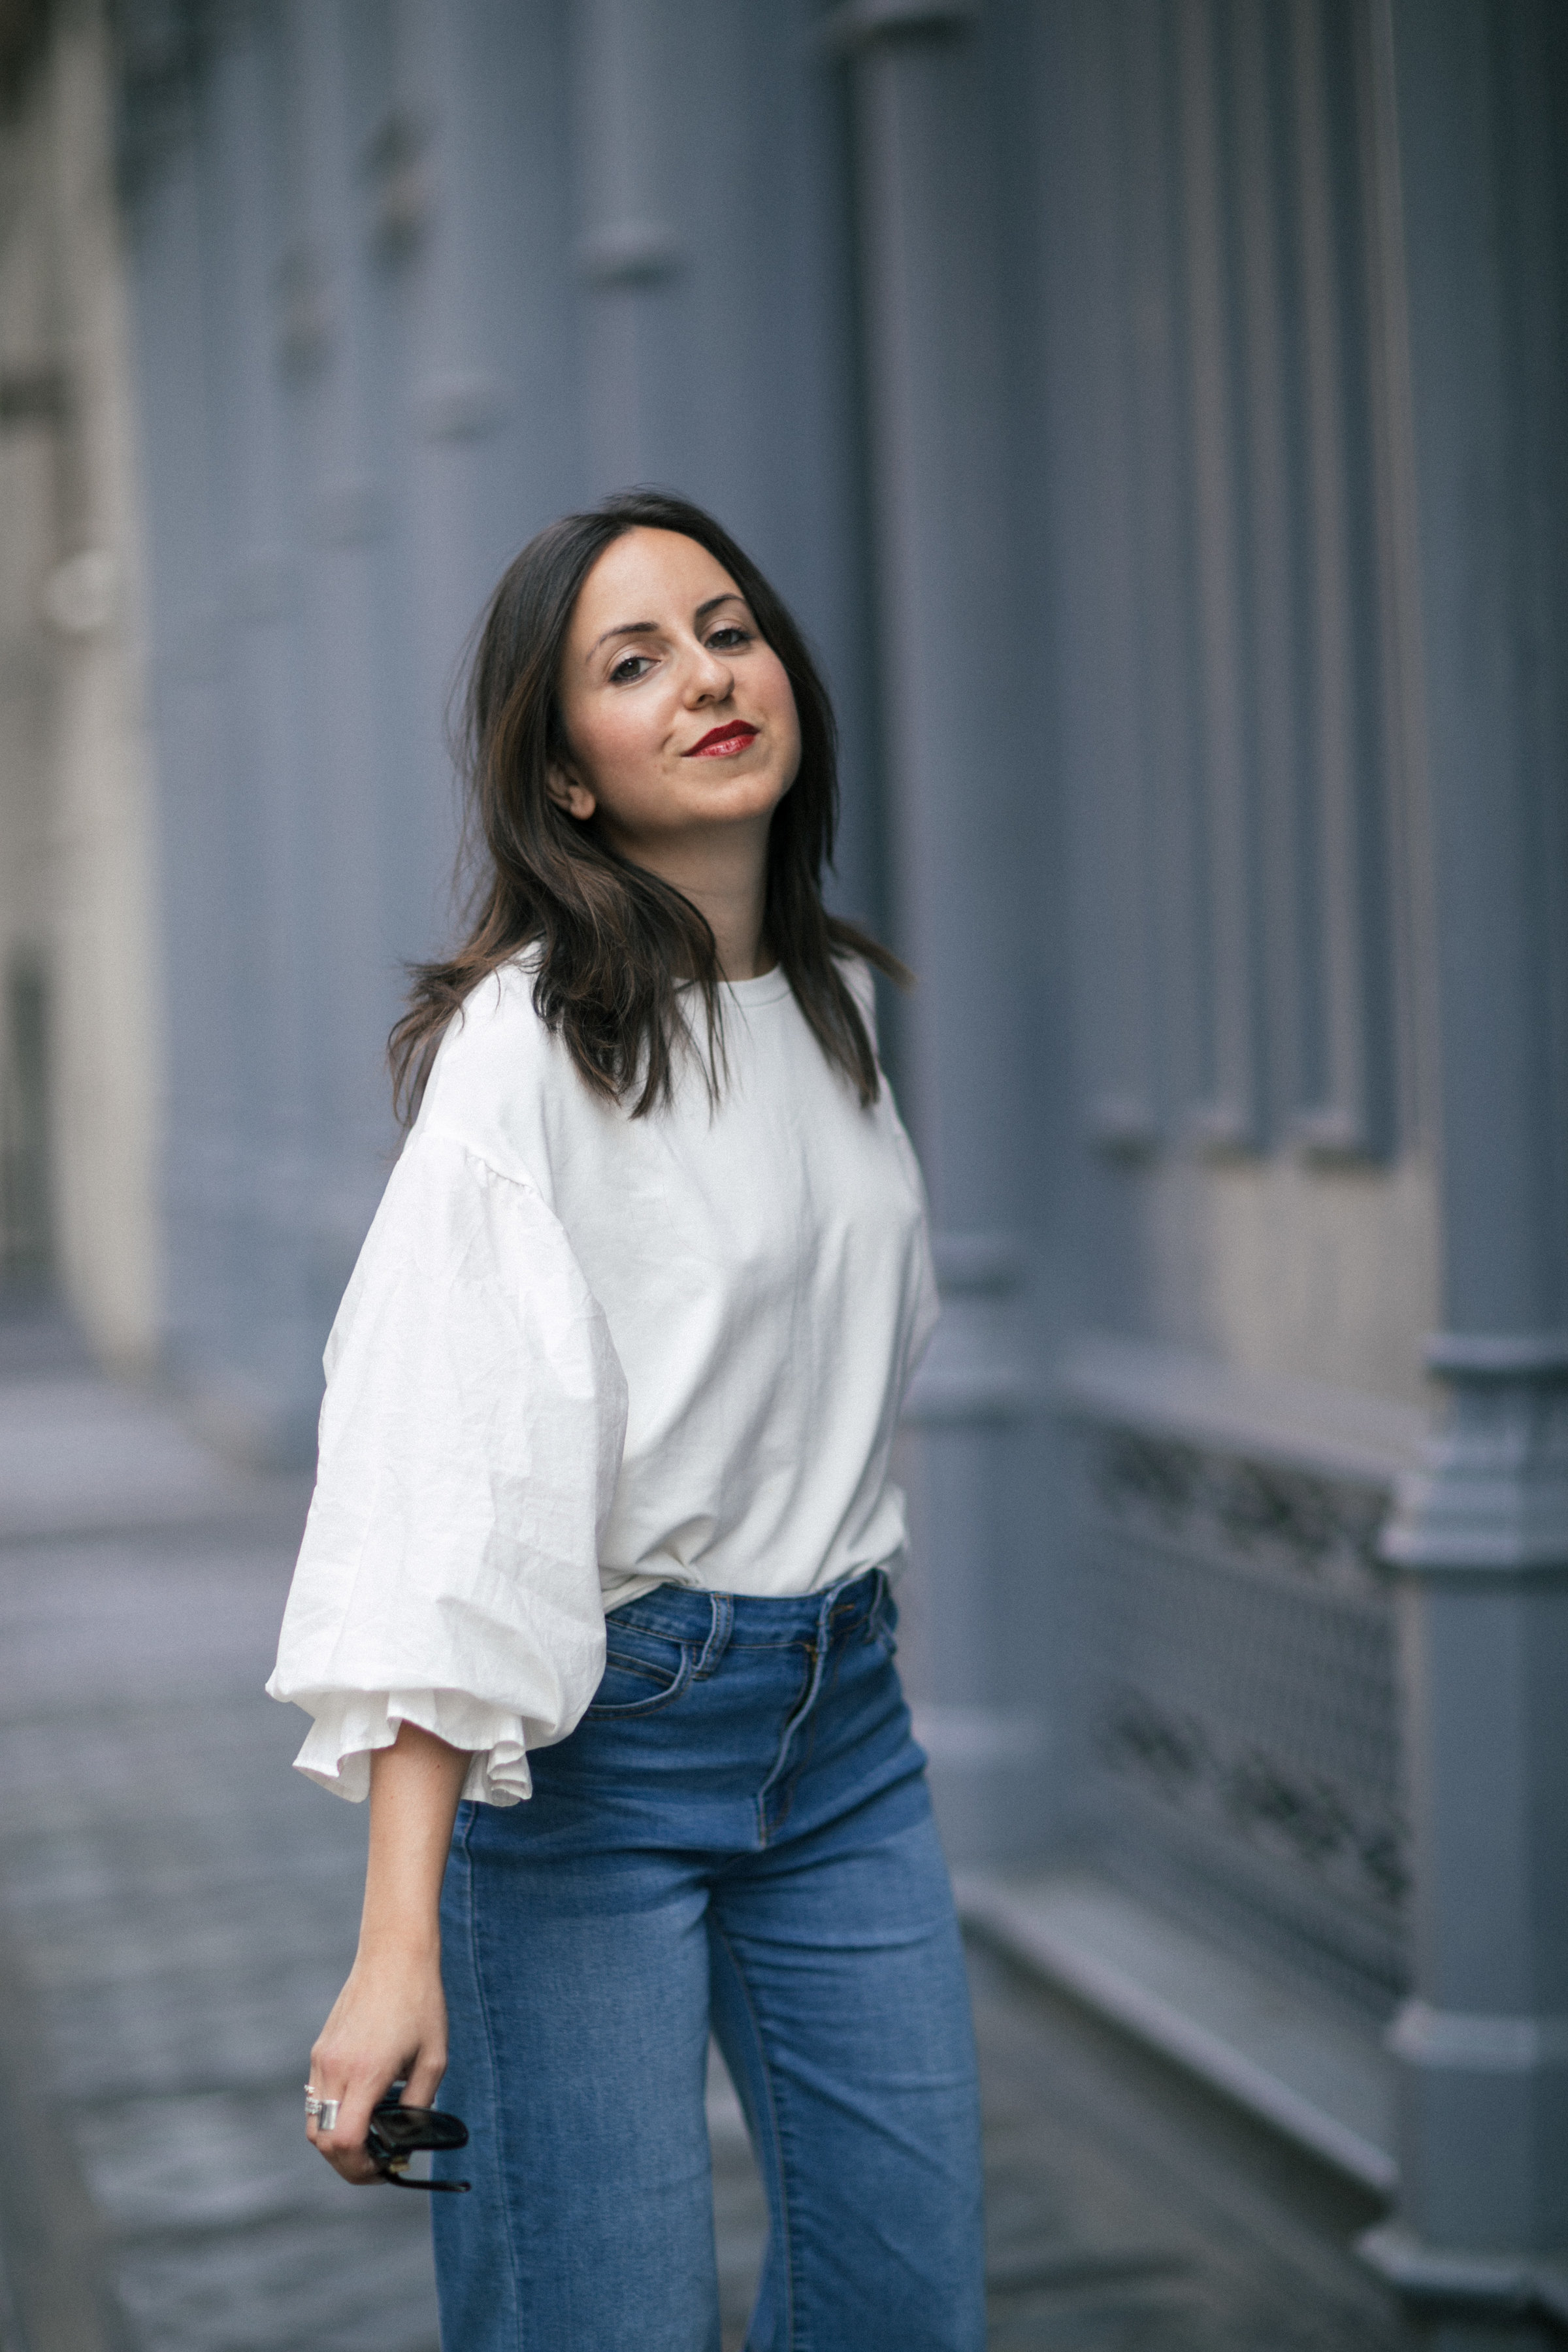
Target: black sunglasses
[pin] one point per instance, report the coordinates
(396, 2132)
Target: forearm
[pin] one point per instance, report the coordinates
(414, 1787)
(390, 2019)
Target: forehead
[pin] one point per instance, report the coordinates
(647, 575)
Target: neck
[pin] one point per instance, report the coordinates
(724, 875)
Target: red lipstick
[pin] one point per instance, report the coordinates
(718, 740)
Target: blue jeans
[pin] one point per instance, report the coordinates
(737, 1837)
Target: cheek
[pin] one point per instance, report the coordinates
(778, 699)
(614, 747)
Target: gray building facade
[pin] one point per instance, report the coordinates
(1154, 410)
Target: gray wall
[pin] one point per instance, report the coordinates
(396, 311)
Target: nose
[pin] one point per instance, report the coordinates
(711, 677)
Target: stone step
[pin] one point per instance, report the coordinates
(1301, 2068)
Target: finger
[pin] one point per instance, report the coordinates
(320, 2083)
(424, 2078)
(356, 2167)
(353, 2121)
(316, 2076)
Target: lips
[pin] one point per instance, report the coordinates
(718, 740)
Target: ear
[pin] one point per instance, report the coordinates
(569, 795)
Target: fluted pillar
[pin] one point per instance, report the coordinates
(1474, 106)
(257, 1385)
(963, 785)
(627, 248)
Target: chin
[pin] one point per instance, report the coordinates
(744, 796)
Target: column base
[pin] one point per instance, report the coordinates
(1469, 2301)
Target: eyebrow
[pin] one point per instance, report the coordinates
(650, 629)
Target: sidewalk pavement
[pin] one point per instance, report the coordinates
(178, 1908)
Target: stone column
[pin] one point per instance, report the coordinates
(168, 234)
(1475, 102)
(627, 248)
(259, 1389)
(964, 779)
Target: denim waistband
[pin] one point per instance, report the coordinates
(714, 1619)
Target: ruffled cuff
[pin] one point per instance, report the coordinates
(349, 1725)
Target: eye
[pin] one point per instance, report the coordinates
(629, 669)
(729, 636)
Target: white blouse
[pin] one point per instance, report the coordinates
(583, 1354)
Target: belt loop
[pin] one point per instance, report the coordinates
(720, 1626)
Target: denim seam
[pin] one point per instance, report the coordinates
(730, 1640)
(794, 1642)
(664, 1695)
(828, 1664)
(799, 1716)
(625, 1664)
(713, 1652)
(498, 2108)
(776, 2136)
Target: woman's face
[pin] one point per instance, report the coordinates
(678, 716)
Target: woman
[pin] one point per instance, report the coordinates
(602, 1520)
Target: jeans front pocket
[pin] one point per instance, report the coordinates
(643, 1670)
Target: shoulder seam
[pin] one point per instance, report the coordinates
(438, 1132)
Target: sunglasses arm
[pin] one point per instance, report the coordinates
(393, 2168)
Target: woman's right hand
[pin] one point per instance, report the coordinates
(389, 2022)
(390, 2019)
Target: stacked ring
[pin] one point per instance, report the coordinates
(324, 2111)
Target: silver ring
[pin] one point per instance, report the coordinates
(325, 2111)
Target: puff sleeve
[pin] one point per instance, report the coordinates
(470, 1441)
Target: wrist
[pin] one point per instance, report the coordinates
(402, 1944)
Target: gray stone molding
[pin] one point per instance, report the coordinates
(1453, 2280)
(857, 23)
(1491, 1495)
(1173, 1393)
(1245, 1512)
(1462, 2040)
(628, 253)
(1275, 1477)
(1266, 1518)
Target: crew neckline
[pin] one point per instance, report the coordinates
(764, 990)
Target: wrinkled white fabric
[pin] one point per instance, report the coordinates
(469, 1442)
(582, 1354)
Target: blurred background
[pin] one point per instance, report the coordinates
(1153, 410)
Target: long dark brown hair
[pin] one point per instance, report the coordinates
(613, 942)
